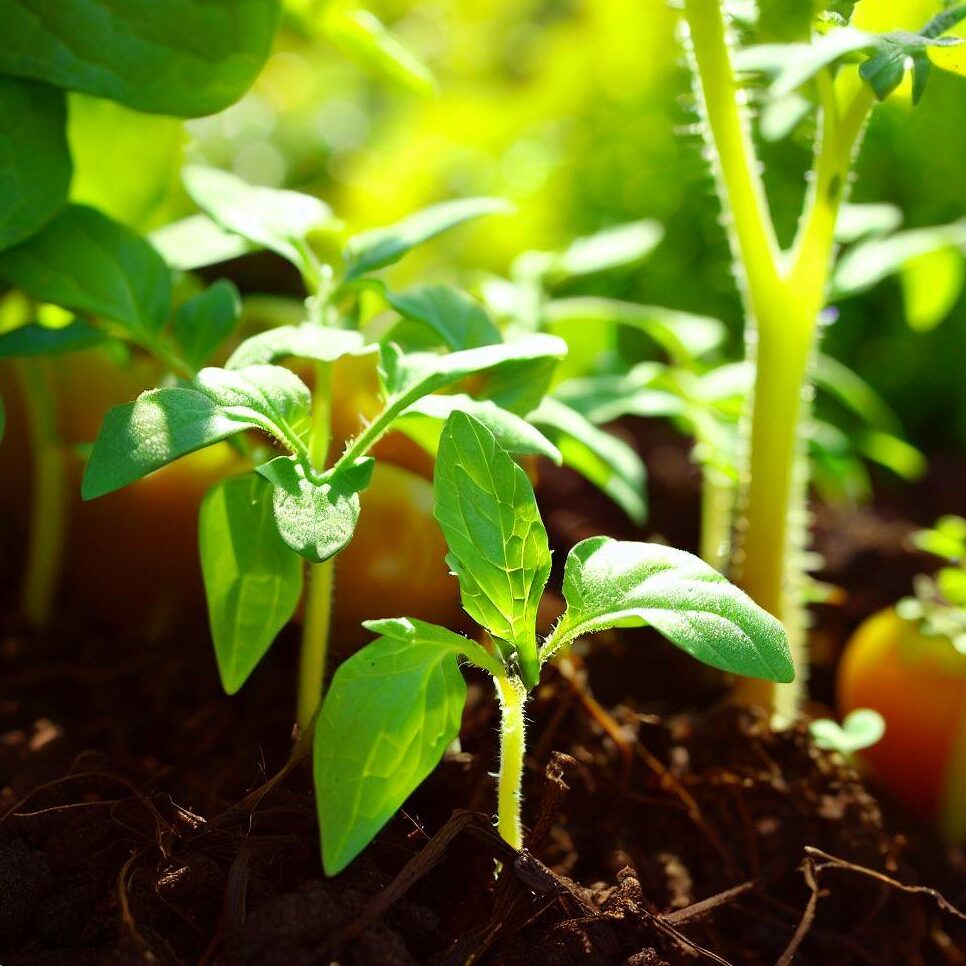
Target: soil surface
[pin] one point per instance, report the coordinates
(147, 818)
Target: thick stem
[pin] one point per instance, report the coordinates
(513, 698)
(321, 578)
(48, 512)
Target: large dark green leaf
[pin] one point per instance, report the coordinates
(85, 262)
(183, 57)
(35, 162)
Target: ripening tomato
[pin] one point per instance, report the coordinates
(395, 564)
(918, 684)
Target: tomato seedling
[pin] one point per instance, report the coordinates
(395, 706)
(820, 61)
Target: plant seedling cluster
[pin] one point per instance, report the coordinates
(396, 705)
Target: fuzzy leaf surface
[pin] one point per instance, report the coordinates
(456, 319)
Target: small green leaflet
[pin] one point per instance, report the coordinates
(363, 36)
(253, 582)
(612, 583)
(423, 423)
(202, 323)
(861, 729)
(268, 217)
(931, 286)
(378, 247)
(164, 424)
(389, 715)
(196, 242)
(607, 249)
(606, 461)
(497, 542)
(35, 168)
(85, 262)
(308, 340)
(456, 319)
(316, 518)
(857, 221)
(188, 58)
(41, 340)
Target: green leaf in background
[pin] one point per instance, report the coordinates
(857, 221)
(363, 36)
(316, 518)
(861, 729)
(497, 542)
(305, 341)
(253, 582)
(85, 262)
(616, 583)
(458, 320)
(203, 322)
(869, 262)
(42, 340)
(378, 247)
(390, 713)
(182, 57)
(611, 248)
(423, 422)
(162, 425)
(268, 217)
(785, 20)
(197, 242)
(931, 285)
(606, 461)
(125, 162)
(35, 166)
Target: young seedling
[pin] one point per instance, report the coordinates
(860, 729)
(820, 60)
(395, 706)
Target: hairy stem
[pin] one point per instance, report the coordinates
(717, 512)
(321, 579)
(48, 511)
(513, 697)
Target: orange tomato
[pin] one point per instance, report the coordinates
(918, 684)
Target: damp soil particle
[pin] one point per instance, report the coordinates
(147, 818)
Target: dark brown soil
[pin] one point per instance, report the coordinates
(147, 818)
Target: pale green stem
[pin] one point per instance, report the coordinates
(717, 513)
(48, 511)
(321, 577)
(783, 301)
(513, 698)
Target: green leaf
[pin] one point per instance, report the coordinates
(35, 168)
(392, 710)
(861, 729)
(253, 582)
(423, 422)
(606, 461)
(497, 542)
(196, 242)
(202, 323)
(363, 36)
(459, 321)
(607, 249)
(931, 285)
(785, 20)
(868, 263)
(87, 263)
(796, 64)
(185, 57)
(859, 221)
(612, 583)
(41, 340)
(379, 247)
(316, 518)
(162, 425)
(853, 392)
(307, 340)
(267, 217)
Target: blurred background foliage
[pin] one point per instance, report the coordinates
(580, 112)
